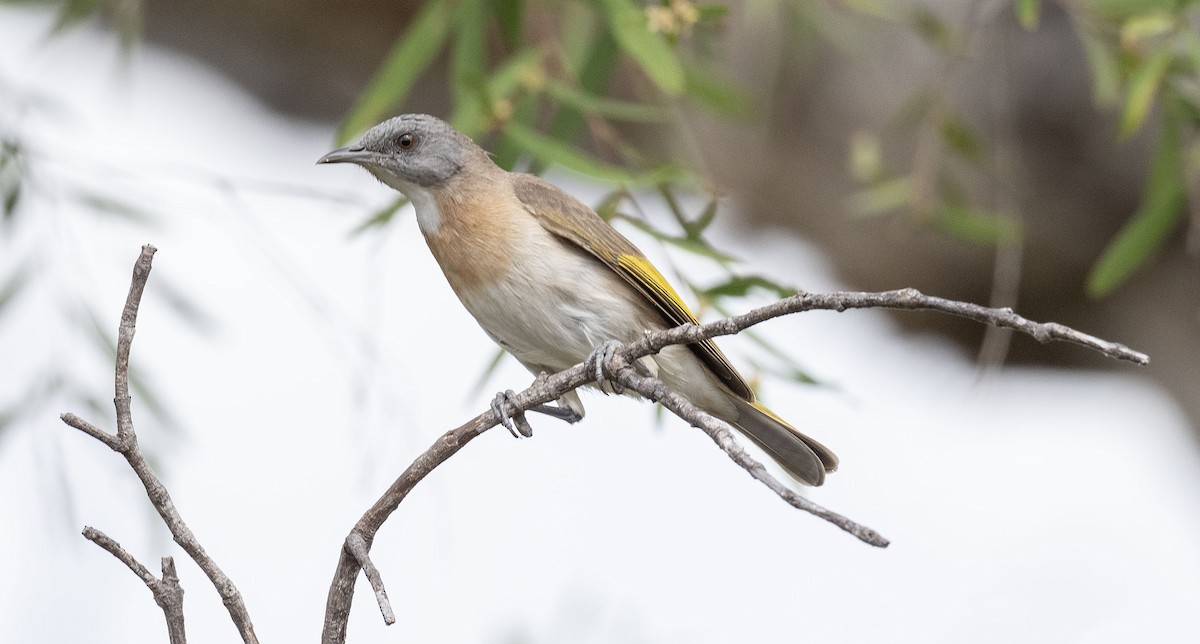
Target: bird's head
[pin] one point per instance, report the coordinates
(411, 153)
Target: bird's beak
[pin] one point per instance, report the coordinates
(349, 154)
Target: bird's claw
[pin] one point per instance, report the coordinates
(600, 358)
(515, 424)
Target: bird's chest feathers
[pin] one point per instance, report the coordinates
(471, 238)
(541, 298)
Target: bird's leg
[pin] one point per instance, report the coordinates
(569, 407)
(562, 413)
(600, 358)
(516, 425)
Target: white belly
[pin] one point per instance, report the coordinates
(553, 307)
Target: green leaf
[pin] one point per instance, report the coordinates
(648, 49)
(693, 246)
(711, 12)
(1120, 9)
(551, 151)
(380, 218)
(607, 207)
(697, 227)
(933, 29)
(413, 52)
(976, 226)
(469, 61)
(718, 95)
(472, 117)
(741, 285)
(1102, 61)
(508, 152)
(606, 107)
(73, 12)
(11, 194)
(1027, 13)
(594, 74)
(1143, 86)
(510, 14)
(866, 156)
(882, 197)
(1160, 211)
(959, 137)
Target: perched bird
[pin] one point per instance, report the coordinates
(550, 281)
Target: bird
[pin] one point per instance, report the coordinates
(552, 282)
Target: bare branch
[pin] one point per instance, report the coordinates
(358, 547)
(125, 442)
(168, 594)
(904, 299)
(547, 388)
(91, 430)
(171, 594)
(104, 541)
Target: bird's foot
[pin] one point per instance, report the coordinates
(515, 424)
(600, 358)
(562, 413)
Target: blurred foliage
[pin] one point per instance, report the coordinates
(1144, 59)
(30, 190)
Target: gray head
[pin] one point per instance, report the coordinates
(411, 151)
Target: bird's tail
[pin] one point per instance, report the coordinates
(804, 458)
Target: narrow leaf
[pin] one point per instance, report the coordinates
(606, 107)
(551, 151)
(632, 32)
(1027, 13)
(594, 76)
(1143, 86)
(693, 246)
(1160, 211)
(976, 226)
(510, 14)
(472, 117)
(959, 137)
(718, 95)
(1102, 62)
(413, 52)
(882, 197)
(697, 227)
(741, 285)
(469, 61)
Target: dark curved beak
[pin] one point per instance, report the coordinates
(349, 154)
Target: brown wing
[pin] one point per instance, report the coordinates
(568, 218)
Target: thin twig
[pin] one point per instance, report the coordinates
(358, 547)
(168, 594)
(549, 387)
(125, 443)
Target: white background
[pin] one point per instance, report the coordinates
(1030, 505)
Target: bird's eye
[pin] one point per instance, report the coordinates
(406, 141)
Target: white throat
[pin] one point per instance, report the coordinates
(429, 218)
(428, 215)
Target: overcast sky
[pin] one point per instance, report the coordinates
(1034, 504)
